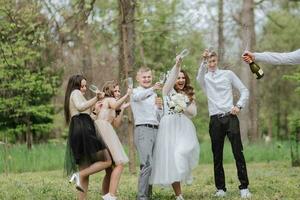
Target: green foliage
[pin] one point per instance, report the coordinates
(278, 99)
(27, 81)
(162, 32)
(294, 77)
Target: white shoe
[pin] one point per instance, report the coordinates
(220, 193)
(108, 196)
(245, 193)
(75, 178)
(179, 197)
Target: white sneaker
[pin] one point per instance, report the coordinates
(220, 193)
(245, 193)
(179, 197)
(108, 196)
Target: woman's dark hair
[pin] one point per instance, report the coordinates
(187, 89)
(73, 84)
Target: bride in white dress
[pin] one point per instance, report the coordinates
(177, 149)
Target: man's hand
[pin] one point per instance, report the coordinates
(157, 86)
(205, 54)
(248, 57)
(235, 110)
(158, 102)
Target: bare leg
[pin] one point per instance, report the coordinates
(96, 167)
(84, 181)
(85, 171)
(115, 179)
(106, 180)
(177, 188)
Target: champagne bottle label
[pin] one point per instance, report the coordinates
(260, 72)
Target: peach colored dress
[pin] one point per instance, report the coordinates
(108, 134)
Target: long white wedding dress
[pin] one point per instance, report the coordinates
(177, 149)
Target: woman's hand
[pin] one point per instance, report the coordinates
(125, 105)
(100, 95)
(129, 91)
(98, 106)
(178, 60)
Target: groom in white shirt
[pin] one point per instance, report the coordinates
(146, 108)
(217, 84)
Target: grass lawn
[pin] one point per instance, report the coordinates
(273, 180)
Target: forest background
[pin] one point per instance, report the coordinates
(44, 42)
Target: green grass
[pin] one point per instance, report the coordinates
(44, 157)
(275, 180)
(260, 152)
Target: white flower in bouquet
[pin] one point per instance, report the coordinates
(178, 102)
(172, 104)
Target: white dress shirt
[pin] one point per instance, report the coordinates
(143, 106)
(217, 86)
(290, 58)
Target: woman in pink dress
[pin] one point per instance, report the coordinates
(106, 116)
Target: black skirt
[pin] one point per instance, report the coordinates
(83, 145)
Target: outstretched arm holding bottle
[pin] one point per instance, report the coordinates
(274, 58)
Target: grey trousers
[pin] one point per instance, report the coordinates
(144, 139)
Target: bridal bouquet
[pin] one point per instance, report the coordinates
(178, 102)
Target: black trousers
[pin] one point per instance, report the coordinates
(219, 127)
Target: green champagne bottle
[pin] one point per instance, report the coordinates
(255, 69)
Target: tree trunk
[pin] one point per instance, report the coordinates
(285, 125)
(270, 128)
(6, 159)
(126, 61)
(278, 121)
(221, 38)
(28, 134)
(250, 113)
(87, 63)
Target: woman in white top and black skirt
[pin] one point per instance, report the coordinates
(86, 153)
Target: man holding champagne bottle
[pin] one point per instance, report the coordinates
(274, 58)
(217, 85)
